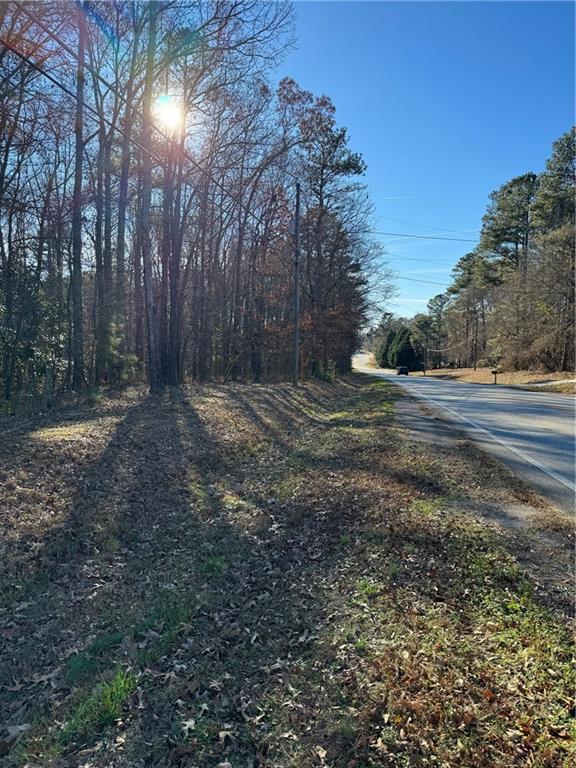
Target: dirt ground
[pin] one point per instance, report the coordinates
(262, 577)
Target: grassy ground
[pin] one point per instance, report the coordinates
(547, 382)
(256, 576)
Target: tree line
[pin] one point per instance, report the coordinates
(147, 180)
(511, 299)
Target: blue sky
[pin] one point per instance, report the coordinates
(446, 101)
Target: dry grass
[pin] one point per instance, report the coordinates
(484, 376)
(275, 578)
(558, 388)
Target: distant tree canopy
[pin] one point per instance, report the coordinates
(398, 347)
(402, 351)
(146, 198)
(511, 300)
(384, 349)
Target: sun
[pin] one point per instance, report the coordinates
(168, 112)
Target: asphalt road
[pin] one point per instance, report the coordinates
(532, 432)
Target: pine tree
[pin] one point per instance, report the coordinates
(382, 356)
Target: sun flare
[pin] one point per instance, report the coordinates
(168, 112)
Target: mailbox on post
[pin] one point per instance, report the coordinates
(495, 372)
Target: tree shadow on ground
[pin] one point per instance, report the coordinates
(148, 516)
(254, 576)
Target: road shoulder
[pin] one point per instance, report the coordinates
(538, 533)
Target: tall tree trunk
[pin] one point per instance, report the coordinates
(108, 303)
(100, 362)
(174, 329)
(76, 277)
(154, 369)
(123, 194)
(166, 249)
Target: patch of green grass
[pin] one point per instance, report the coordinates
(426, 507)
(344, 540)
(481, 562)
(204, 734)
(393, 570)
(301, 460)
(520, 626)
(342, 736)
(111, 545)
(215, 566)
(368, 589)
(105, 643)
(163, 626)
(253, 447)
(348, 633)
(341, 415)
(498, 567)
(198, 492)
(90, 661)
(353, 431)
(376, 536)
(171, 610)
(287, 488)
(23, 755)
(231, 500)
(99, 709)
(346, 728)
(361, 645)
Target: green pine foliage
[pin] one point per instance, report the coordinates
(403, 351)
(384, 349)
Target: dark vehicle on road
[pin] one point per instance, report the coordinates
(402, 371)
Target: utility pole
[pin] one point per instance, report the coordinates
(296, 288)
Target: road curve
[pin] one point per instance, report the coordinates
(532, 432)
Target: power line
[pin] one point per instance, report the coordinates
(422, 237)
(500, 288)
(417, 280)
(448, 349)
(421, 260)
(423, 226)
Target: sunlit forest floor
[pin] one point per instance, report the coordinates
(256, 576)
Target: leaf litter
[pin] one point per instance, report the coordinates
(260, 576)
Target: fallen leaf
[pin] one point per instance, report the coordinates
(15, 731)
(188, 725)
(488, 694)
(14, 688)
(320, 752)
